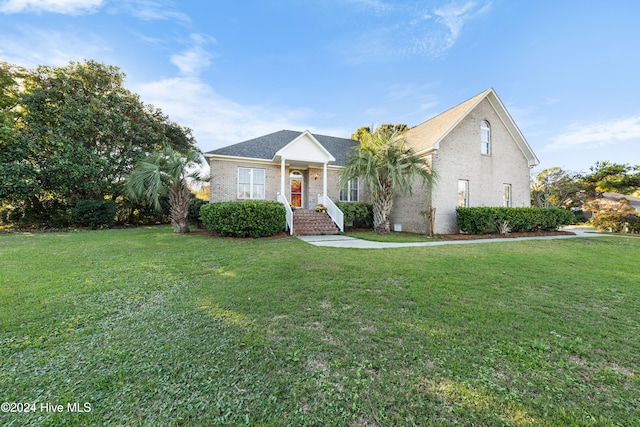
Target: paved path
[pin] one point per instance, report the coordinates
(341, 241)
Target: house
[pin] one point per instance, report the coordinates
(300, 169)
(479, 156)
(616, 197)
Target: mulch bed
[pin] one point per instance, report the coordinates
(505, 236)
(283, 234)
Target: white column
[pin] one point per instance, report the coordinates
(324, 181)
(282, 177)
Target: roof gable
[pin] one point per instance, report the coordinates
(269, 147)
(305, 147)
(426, 136)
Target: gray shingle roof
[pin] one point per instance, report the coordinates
(265, 147)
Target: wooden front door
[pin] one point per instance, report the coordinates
(296, 189)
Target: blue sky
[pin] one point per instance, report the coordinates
(567, 71)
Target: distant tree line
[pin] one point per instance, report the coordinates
(584, 193)
(73, 134)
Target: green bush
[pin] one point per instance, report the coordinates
(195, 205)
(244, 219)
(93, 213)
(486, 219)
(358, 213)
(617, 222)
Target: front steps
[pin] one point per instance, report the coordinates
(310, 223)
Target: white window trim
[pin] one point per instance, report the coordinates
(353, 184)
(485, 146)
(466, 193)
(507, 196)
(251, 184)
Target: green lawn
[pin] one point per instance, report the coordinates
(152, 328)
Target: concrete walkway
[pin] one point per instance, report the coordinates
(340, 241)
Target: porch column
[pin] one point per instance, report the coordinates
(324, 181)
(282, 177)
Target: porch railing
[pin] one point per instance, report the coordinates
(289, 212)
(334, 212)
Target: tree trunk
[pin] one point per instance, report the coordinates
(382, 210)
(179, 199)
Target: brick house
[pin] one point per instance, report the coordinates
(477, 152)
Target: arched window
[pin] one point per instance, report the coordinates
(485, 138)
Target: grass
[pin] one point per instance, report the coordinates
(393, 236)
(152, 328)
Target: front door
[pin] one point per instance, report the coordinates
(296, 189)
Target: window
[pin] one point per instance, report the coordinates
(506, 195)
(485, 138)
(463, 193)
(250, 183)
(349, 193)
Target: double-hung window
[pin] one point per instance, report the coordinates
(251, 183)
(506, 195)
(349, 193)
(463, 193)
(485, 138)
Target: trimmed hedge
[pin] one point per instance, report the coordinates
(93, 213)
(486, 219)
(617, 222)
(359, 213)
(255, 218)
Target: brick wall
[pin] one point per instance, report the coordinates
(459, 158)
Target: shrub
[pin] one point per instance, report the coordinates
(194, 210)
(360, 214)
(93, 213)
(487, 219)
(617, 222)
(244, 219)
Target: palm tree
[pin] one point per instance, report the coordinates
(388, 167)
(167, 173)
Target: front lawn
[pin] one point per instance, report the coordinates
(152, 328)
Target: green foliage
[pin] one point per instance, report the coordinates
(167, 172)
(76, 133)
(386, 128)
(388, 168)
(93, 213)
(195, 205)
(613, 177)
(244, 219)
(555, 187)
(617, 222)
(358, 213)
(478, 220)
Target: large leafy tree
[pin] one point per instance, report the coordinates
(555, 187)
(76, 133)
(17, 175)
(612, 177)
(388, 167)
(167, 173)
(88, 131)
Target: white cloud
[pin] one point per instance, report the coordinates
(416, 30)
(195, 58)
(454, 17)
(597, 135)
(68, 7)
(378, 6)
(46, 47)
(151, 10)
(218, 121)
